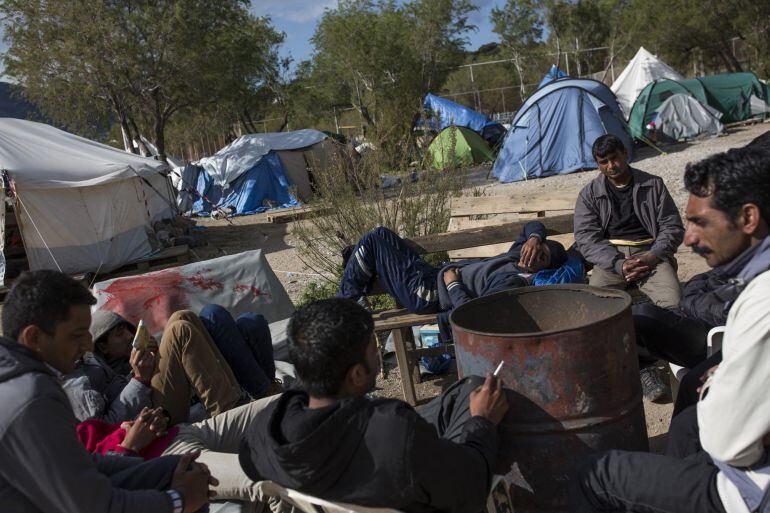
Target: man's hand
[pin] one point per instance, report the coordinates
(450, 275)
(489, 400)
(142, 363)
(634, 269)
(648, 259)
(144, 430)
(530, 251)
(705, 377)
(192, 481)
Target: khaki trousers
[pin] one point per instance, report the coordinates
(189, 360)
(218, 439)
(661, 285)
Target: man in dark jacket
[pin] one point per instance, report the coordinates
(332, 441)
(43, 466)
(422, 288)
(628, 227)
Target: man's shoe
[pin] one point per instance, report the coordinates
(364, 302)
(653, 386)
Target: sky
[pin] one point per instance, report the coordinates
(298, 19)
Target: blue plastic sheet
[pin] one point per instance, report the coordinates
(446, 113)
(247, 194)
(553, 74)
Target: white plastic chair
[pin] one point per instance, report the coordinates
(498, 501)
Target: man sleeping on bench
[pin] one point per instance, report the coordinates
(424, 289)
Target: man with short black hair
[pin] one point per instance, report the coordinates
(628, 227)
(718, 455)
(332, 441)
(43, 466)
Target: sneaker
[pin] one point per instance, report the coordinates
(653, 387)
(364, 302)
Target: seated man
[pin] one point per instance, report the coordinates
(720, 188)
(333, 441)
(422, 288)
(628, 227)
(187, 360)
(718, 459)
(43, 466)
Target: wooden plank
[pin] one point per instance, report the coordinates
(294, 214)
(402, 357)
(463, 223)
(481, 205)
(474, 237)
(398, 318)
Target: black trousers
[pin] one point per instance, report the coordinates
(682, 480)
(667, 335)
(688, 387)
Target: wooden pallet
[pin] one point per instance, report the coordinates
(287, 215)
(169, 257)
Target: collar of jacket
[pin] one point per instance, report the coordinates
(641, 179)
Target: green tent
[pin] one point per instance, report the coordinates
(730, 94)
(653, 95)
(458, 147)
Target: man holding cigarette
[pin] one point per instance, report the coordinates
(333, 441)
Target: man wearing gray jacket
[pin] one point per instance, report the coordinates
(43, 466)
(628, 227)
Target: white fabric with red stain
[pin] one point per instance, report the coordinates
(240, 283)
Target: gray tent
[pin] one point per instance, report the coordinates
(683, 117)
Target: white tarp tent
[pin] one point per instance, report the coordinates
(81, 206)
(245, 152)
(643, 69)
(683, 117)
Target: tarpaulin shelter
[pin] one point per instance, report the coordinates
(80, 206)
(643, 69)
(256, 171)
(738, 96)
(554, 130)
(553, 74)
(652, 97)
(442, 113)
(683, 117)
(458, 147)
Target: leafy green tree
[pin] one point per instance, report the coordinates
(388, 56)
(520, 27)
(139, 61)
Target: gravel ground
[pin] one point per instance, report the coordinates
(253, 232)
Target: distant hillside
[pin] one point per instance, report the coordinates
(12, 105)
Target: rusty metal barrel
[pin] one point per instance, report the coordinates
(571, 376)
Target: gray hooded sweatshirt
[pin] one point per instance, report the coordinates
(43, 466)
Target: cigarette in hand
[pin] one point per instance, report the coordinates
(497, 370)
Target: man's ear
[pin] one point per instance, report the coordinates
(357, 376)
(751, 218)
(29, 337)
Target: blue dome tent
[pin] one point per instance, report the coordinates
(554, 130)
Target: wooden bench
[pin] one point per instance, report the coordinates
(494, 235)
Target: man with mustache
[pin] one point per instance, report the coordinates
(628, 227)
(716, 233)
(718, 454)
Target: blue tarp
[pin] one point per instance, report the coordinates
(247, 193)
(554, 130)
(448, 113)
(553, 74)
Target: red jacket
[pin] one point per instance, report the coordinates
(102, 437)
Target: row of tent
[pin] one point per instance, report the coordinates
(554, 129)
